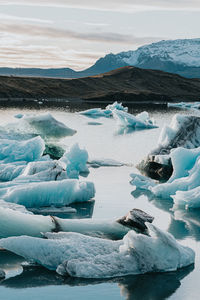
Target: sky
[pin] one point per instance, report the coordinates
(75, 33)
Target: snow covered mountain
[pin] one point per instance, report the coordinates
(175, 56)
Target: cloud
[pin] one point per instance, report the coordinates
(113, 5)
(46, 32)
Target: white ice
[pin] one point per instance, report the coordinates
(88, 257)
(107, 112)
(43, 124)
(75, 161)
(39, 194)
(185, 105)
(104, 162)
(140, 121)
(29, 150)
(184, 184)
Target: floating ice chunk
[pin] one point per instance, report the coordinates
(187, 199)
(39, 194)
(141, 182)
(10, 171)
(18, 116)
(185, 105)
(43, 124)
(184, 131)
(14, 206)
(116, 105)
(104, 162)
(30, 150)
(75, 161)
(141, 120)
(43, 171)
(104, 228)
(16, 222)
(96, 113)
(88, 257)
(107, 112)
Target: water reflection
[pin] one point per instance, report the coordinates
(149, 286)
(184, 223)
(83, 210)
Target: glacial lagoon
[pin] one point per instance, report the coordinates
(114, 198)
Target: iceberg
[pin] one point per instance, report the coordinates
(75, 161)
(82, 256)
(183, 186)
(185, 105)
(39, 194)
(11, 214)
(116, 105)
(107, 112)
(140, 121)
(44, 125)
(104, 162)
(29, 150)
(184, 131)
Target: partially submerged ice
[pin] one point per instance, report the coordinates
(39, 194)
(29, 150)
(15, 220)
(140, 121)
(184, 131)
(185, 105)
(183, 187)
(107, 112)
(79, 255)
(43, 124)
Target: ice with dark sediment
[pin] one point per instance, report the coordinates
(183, 187)
(183, 131)
(15, 222)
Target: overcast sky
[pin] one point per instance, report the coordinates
(75, 33)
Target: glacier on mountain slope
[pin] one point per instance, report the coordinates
(43, 124)
(89, 257)
(181, 51)
(141, 120)
(107, 112)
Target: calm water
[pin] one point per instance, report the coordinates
(114, 198)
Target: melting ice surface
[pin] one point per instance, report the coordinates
(87, 257)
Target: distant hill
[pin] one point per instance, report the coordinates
(123, 84)
(175, 56)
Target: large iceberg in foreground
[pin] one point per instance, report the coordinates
(141, 120)
(88, 257)
(43, 124)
